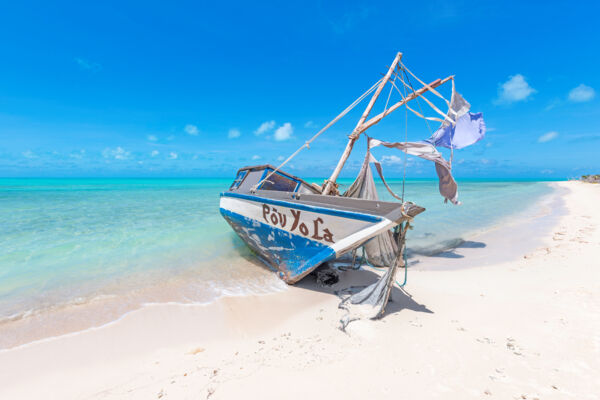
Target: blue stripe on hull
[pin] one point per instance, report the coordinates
(306, 207)
(293, 255)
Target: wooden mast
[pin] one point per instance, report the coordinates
(363, 126)
(356, 133)
(408, 98)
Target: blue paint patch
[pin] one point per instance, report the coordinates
(293, 255)
(320, 210)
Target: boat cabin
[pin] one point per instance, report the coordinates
(280, 181)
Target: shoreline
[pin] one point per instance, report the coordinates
(530, 225)
(76, 318)
(527, 327)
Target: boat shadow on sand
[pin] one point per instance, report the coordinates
(445, 249)
(400, 299)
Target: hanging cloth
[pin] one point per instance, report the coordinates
(462, 128)
(447, 185)
(381, 251)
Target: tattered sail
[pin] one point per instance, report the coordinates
(294, 226)
(382, 250)
(462, 128)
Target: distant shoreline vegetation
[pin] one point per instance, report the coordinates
(590, 178)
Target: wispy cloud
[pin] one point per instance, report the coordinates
(29, 154)
(234, 133)
(349, 20)
(309, 124)
(191, 130)
(280, 158)
(118, 153)
(546, 137)
(584, 138)
(78, 155)
(284, 132)
(154, 153)
(173, 155)
(256, 157)
(265, 127)
(88, 65)
(581, 94)
(514, 89)
(391, 160)
(152, 138)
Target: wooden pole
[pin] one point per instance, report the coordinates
(408, 98)
(329, 185)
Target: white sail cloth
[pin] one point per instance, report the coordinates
(447, 185)
(382, 249)
(461, 128)
(469, 129)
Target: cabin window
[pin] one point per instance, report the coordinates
(238, 179)
(279, 182)
(252, 178)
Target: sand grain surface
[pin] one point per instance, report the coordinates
(524, 329)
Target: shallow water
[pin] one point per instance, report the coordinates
(66, 242)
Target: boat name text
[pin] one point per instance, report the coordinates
(274, 217)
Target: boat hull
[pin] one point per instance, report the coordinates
(295, 236)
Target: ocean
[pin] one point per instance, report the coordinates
(98, 248)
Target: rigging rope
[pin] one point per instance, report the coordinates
(405, 141)
(329, 125)
(418, 103)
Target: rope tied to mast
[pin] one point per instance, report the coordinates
(329, 125)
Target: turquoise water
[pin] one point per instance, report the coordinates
(67, 241)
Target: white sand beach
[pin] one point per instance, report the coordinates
(520, 323)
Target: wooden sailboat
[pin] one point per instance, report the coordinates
(294, 226)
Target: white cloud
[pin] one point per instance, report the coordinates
(78, 155)
(118, 153)
(29, 154)
(309, 124)
(173, 155)
(191, 130)
(234, 133)
(88, 65)
(256, 157)
(514, 89)
(284, 132)
(392, 160)
(265, 127)
(152, 138)
(154, 153)
(546, 137)
(582, 93)
(280, 158)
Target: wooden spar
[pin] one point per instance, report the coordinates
(408, 98)
(363, 126)
(356, 133)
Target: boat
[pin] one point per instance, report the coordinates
(294, 226)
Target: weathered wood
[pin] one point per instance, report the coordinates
(329, 185)
(399, 104)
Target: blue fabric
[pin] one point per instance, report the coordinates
(469, 129)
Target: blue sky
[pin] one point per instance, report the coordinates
(182, 89)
